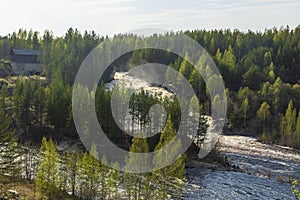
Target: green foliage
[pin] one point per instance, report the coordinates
(254, 77)
(245, 108)
(263, 115)
(72, 168)
(289, 126)
(89, 178)
(295, 187)
(260, 72)
(22, 96)
(58, 102)
(114, 182)
(198, 84)
(48, 177)
(185, 68)
(104, 172)
(229, 59)
(3, 96)
(170, 180)
(137, 184)
(266, 63)
(9, 151)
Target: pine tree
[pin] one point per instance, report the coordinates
(47, 177)
(229, 59)
(3, 96)
(137, 184)
(39, 103)
(245, 108)
(72, 164)
(114, 182)
(104, 175)
(9, 151)
(197, 82)
(58, 101)
(290, 117)
(89, 174)
(263, 115)
(17, 101)
(185, 68)
(288, 124)
(297, 133)
(283, 124)
(170, 180)
(218, 105)
(218, 55)
(170, 73)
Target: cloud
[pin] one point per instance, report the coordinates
(216, 14)
(236, 4)
(116, 16)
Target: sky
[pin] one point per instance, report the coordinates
(108, 17)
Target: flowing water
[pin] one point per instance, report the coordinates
(265, 171)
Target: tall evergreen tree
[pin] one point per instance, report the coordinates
(170, 179)
(104, 176)
(58, 101)
(229, 59)
(297, 133)
(245, 108)
(48, 177)
(89, 174)
(137, 185)
(9, 151)
(290, 117)
(3, 96)
(263, 114)
(114, 182)
(72, 163)
(288, 124)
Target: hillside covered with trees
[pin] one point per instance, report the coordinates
(261, 73)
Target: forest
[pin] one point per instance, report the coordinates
(261, 73)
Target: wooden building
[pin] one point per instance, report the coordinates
(25, 62)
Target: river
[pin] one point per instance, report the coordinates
(259, 171)
(263, 172)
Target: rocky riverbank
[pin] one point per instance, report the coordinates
(248, 170)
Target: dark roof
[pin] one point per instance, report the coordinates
(25, 52)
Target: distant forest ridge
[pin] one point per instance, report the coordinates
(261, 72)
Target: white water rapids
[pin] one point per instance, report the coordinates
(264, 170)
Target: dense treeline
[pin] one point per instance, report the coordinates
(261, 73)
(81, 175)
